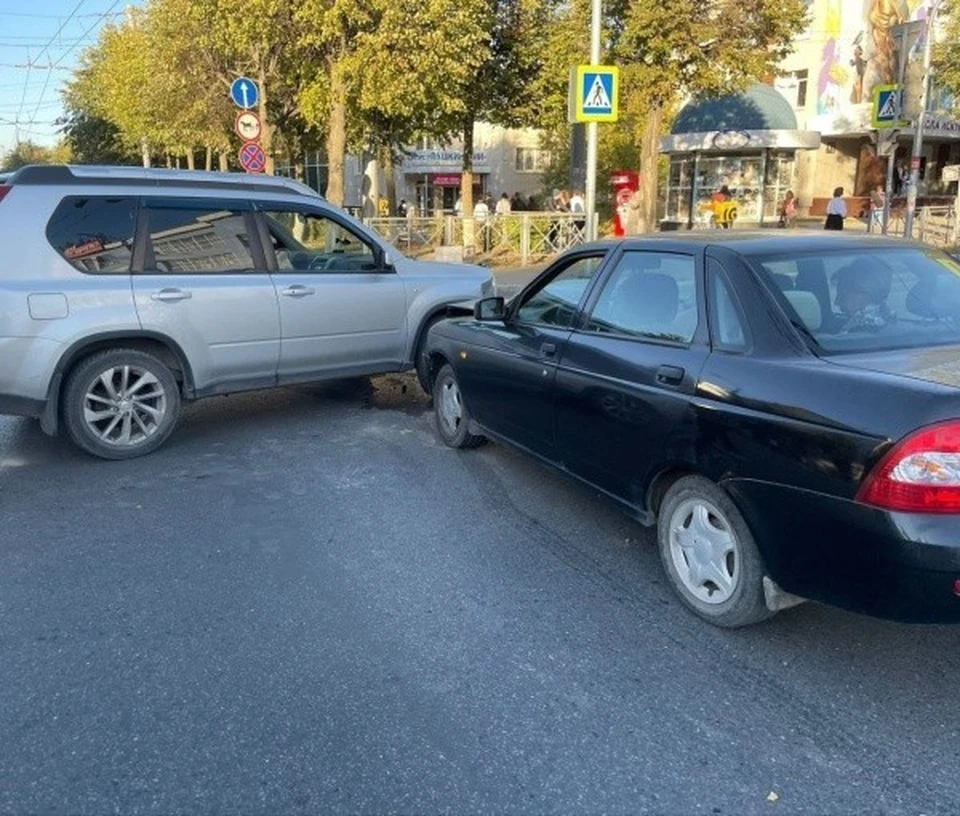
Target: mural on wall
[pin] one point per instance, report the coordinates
(859, 51)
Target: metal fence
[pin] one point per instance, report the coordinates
(932, 225)
(522, 238)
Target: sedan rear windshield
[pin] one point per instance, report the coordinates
(868, 299)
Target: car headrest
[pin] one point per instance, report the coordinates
(807, 307)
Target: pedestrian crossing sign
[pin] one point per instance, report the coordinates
(594, 93)
(886, 106)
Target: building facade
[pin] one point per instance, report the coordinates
(849, 50)
(504, 161)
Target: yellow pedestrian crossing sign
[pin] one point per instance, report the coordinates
(594, 93)
(886, 106)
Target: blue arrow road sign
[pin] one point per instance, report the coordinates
(244, 93)
(597, 93)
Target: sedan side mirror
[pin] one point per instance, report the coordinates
(491, 308)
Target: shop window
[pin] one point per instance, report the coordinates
(532, 160)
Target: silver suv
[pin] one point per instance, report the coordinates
(132, 290)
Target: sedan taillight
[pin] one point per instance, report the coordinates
(921, 474)
(4, 189)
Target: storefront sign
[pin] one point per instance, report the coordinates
(446, 180)
(439, 161)
(934, 125)
(725, 141)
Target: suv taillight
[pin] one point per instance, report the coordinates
(921, 474)
(4, 189)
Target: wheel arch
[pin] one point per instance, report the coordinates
(160, 345)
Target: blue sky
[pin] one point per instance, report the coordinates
(48, 36)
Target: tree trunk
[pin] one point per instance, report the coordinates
(191, 160)
(169, 161)
(336, 137)
(466, 190)
(386, 158)
(466, 179)
(266, 129)
(145, 152)
(649, 167)
(208, 161)
(224, 163)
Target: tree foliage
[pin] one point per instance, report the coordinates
(28, 152)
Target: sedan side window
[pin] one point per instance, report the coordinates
(312, 242)
(556, 302)
(650, 295)
(727, 328)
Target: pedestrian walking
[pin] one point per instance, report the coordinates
(836, 211)
(579, 209)
(503, 205)
(480, 216)
(878, 199)
(517, 204)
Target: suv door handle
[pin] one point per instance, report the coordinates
(548, 349)
(171, 295)
(298, 290)
(669, 375)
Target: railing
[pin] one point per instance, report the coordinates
(522, 238)
(932, 225)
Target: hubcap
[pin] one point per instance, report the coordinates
(704, 551)
(451, 408)
(124, 405)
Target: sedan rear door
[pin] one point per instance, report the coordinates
(629, 370)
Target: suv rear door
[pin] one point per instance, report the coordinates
(204, 283)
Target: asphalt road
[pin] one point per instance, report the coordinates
(304, 603)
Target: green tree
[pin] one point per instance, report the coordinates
(94, 140)
(28, 152)
(946, 54)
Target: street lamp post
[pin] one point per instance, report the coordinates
(591, 191)
(917, 152)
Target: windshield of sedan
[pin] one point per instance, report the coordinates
(868, 300)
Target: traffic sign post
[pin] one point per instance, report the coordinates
(244, 93)
(247, 126)
(252, 158)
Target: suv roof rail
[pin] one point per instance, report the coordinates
(67, 174)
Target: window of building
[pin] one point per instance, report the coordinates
(314, 168)
(200, 239)
(94, 233)
(794, 87)
(532, 160)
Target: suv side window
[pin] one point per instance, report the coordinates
(204, 237)
(312, 242)
(555, 303)
(95, 233)
(650, 296)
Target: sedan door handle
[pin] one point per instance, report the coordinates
(171, 295)
(669, 375)
(548, 349)
(298, 290)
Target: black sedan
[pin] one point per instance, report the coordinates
(784, 407)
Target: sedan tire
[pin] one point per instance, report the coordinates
(450, 410)
(709, 554)
(120, 404)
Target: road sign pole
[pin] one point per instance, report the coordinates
(591, 191)
(915, 157)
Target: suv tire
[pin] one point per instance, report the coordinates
(120, 404)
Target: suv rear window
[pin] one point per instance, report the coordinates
(95, 233)
(869, 299)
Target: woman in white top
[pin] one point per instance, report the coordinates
(836, 211)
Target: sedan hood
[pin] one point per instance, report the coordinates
(939, 365)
